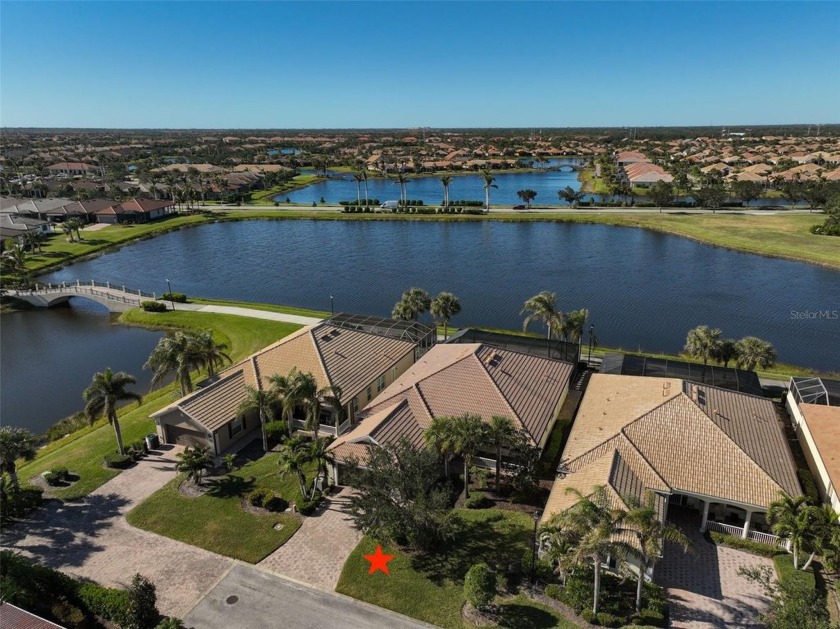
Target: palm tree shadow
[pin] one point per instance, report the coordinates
(230, 486)
(519, 616)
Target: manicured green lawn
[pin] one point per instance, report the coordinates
(82, 452)
(216, 521)
(431, 587)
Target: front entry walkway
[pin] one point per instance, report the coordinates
(317, 552)
(704, 588)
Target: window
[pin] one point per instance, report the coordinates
(355, 406)
(369, 393)
(236, 426)
(380, 383)
(393, 374)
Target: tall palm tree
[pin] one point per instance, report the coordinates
(726, 352)
(365, 179)
(500, 431)
(210, 354)
(401, 180)
(175, 353)
(330, 396)
(488, 183)
(262, 402)
(440, 437)
(413, 303)
(194, 461)
(171, 179)
(593, 523)
(643, 523)
(443, 308)
(446, 180)
(359, 178)
(703, 342)
(76, 225)
(320, 454)
(543, 307)
(752, 352)
(573, 324)
(281, 387)
(293, 457)
(14, 261)
(15, 443)
(106, 390)
(793, 519)
(34, 239)
(470, 435)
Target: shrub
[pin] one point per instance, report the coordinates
(258, 496)
(650, 618)
(751, 546)
(786, 571)
(170, 623)
(275, 503)
(108, 603)
(66, 426)
(136, 449)
(809, 487)
(477, 501)
(552, 590)
(480, 586)
(606, 619)
(153, 306)
(17, 505)
(589, 616)
(61, 472)
(180, 298)
(276, 431)
(118, 461)
(67, 614)
(307, 507)
(142, 612)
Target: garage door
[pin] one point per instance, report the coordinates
(185, 437)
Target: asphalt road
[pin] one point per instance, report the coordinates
(248, 598)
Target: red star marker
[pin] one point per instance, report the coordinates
(378, 561)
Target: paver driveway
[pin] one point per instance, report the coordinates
(704, 588)
(91, 539)
(317, 552)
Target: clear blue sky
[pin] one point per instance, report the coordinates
(407, 64)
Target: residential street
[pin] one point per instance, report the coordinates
(249, 598)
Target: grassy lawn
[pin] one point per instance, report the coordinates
(216, 521)
(82, 451)
(265, 197)
(431, 587)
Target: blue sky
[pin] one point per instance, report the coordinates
(407, 64)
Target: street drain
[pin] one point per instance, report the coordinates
(232, 600)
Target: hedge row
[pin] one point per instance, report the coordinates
(749, 545)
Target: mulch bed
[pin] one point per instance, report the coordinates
(41, 482)
(189, 489)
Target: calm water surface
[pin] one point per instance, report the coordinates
(48, 358)
(643, 290)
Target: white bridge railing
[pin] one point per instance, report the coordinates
(112, 292)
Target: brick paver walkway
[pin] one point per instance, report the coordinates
(317, 552)
(90, 539)
(704, 588)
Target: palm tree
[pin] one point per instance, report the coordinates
(320, 454)
(210, 354)
(330, 396)
(262, 402)
(171, 179)
(359, 177)
(15, 443)
(543, 307)
(440, 437)
(793, 519)
(281, 387)
(76, 225)
(413, 303)
(365, 179)
(446, 180)
(643, 523)
(752, 352)
(527, 196)
(106, 390)
(35, 239)
(593, 523)
(293, 457)
(703, 342)
(401, 179)
(726, 352)
(14, 261)
(500, 431)
(444, 307)
(174, 353)
(469, 436)
(573, 323)
(488, 183)
(194, 461)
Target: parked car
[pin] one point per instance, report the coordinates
(519, 207)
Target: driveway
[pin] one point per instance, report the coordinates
(704, 588)
(317, 552)
(251, 598)
(90, 539)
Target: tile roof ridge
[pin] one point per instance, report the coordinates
(514, 415)
(423, 400)
(311, 331)
(592, 449)
(198, 393)
(256, 368)
(641, 454)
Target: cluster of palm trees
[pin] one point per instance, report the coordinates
(415, 301)
(297, 453)
(295, 390)
(543, 307)
(72, 228)
(361, 176)
(13, 261)
(748, 353)
(809, 527)
(465, 436)
(598, 528)
(180, 353)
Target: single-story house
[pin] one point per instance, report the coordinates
(135, 211)
(814, 408)
(73, 169)
(23, 224)
(360, 356)
(454, 379)
(85, 210)
(631, 157)
(645, 174)
(718, 452)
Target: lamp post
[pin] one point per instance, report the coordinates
(591, 336)
(536, 515)
(171, 299)
(332, 305)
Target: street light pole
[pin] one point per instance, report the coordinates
(536, 515)
(171, 298)
(332, 305)
(591, 335)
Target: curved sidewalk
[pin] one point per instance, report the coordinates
(249, 312)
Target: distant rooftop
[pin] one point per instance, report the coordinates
(724, 377)
(390, 328)
(556, 349)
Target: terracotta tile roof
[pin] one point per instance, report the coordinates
(214, 405)
(12, 617)
(824, 425)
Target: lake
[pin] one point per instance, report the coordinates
(644, 290)
(48, 358)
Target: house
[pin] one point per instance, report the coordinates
(86, 210)
(814, 407)
(645, 174)
(720, 453)
(23, 224)
(73, 169)
(13, 617)
(135, 211)
(358, 355)
(454, 379)
(626, 158)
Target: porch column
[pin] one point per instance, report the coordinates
(705, 516)
(747, 524)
